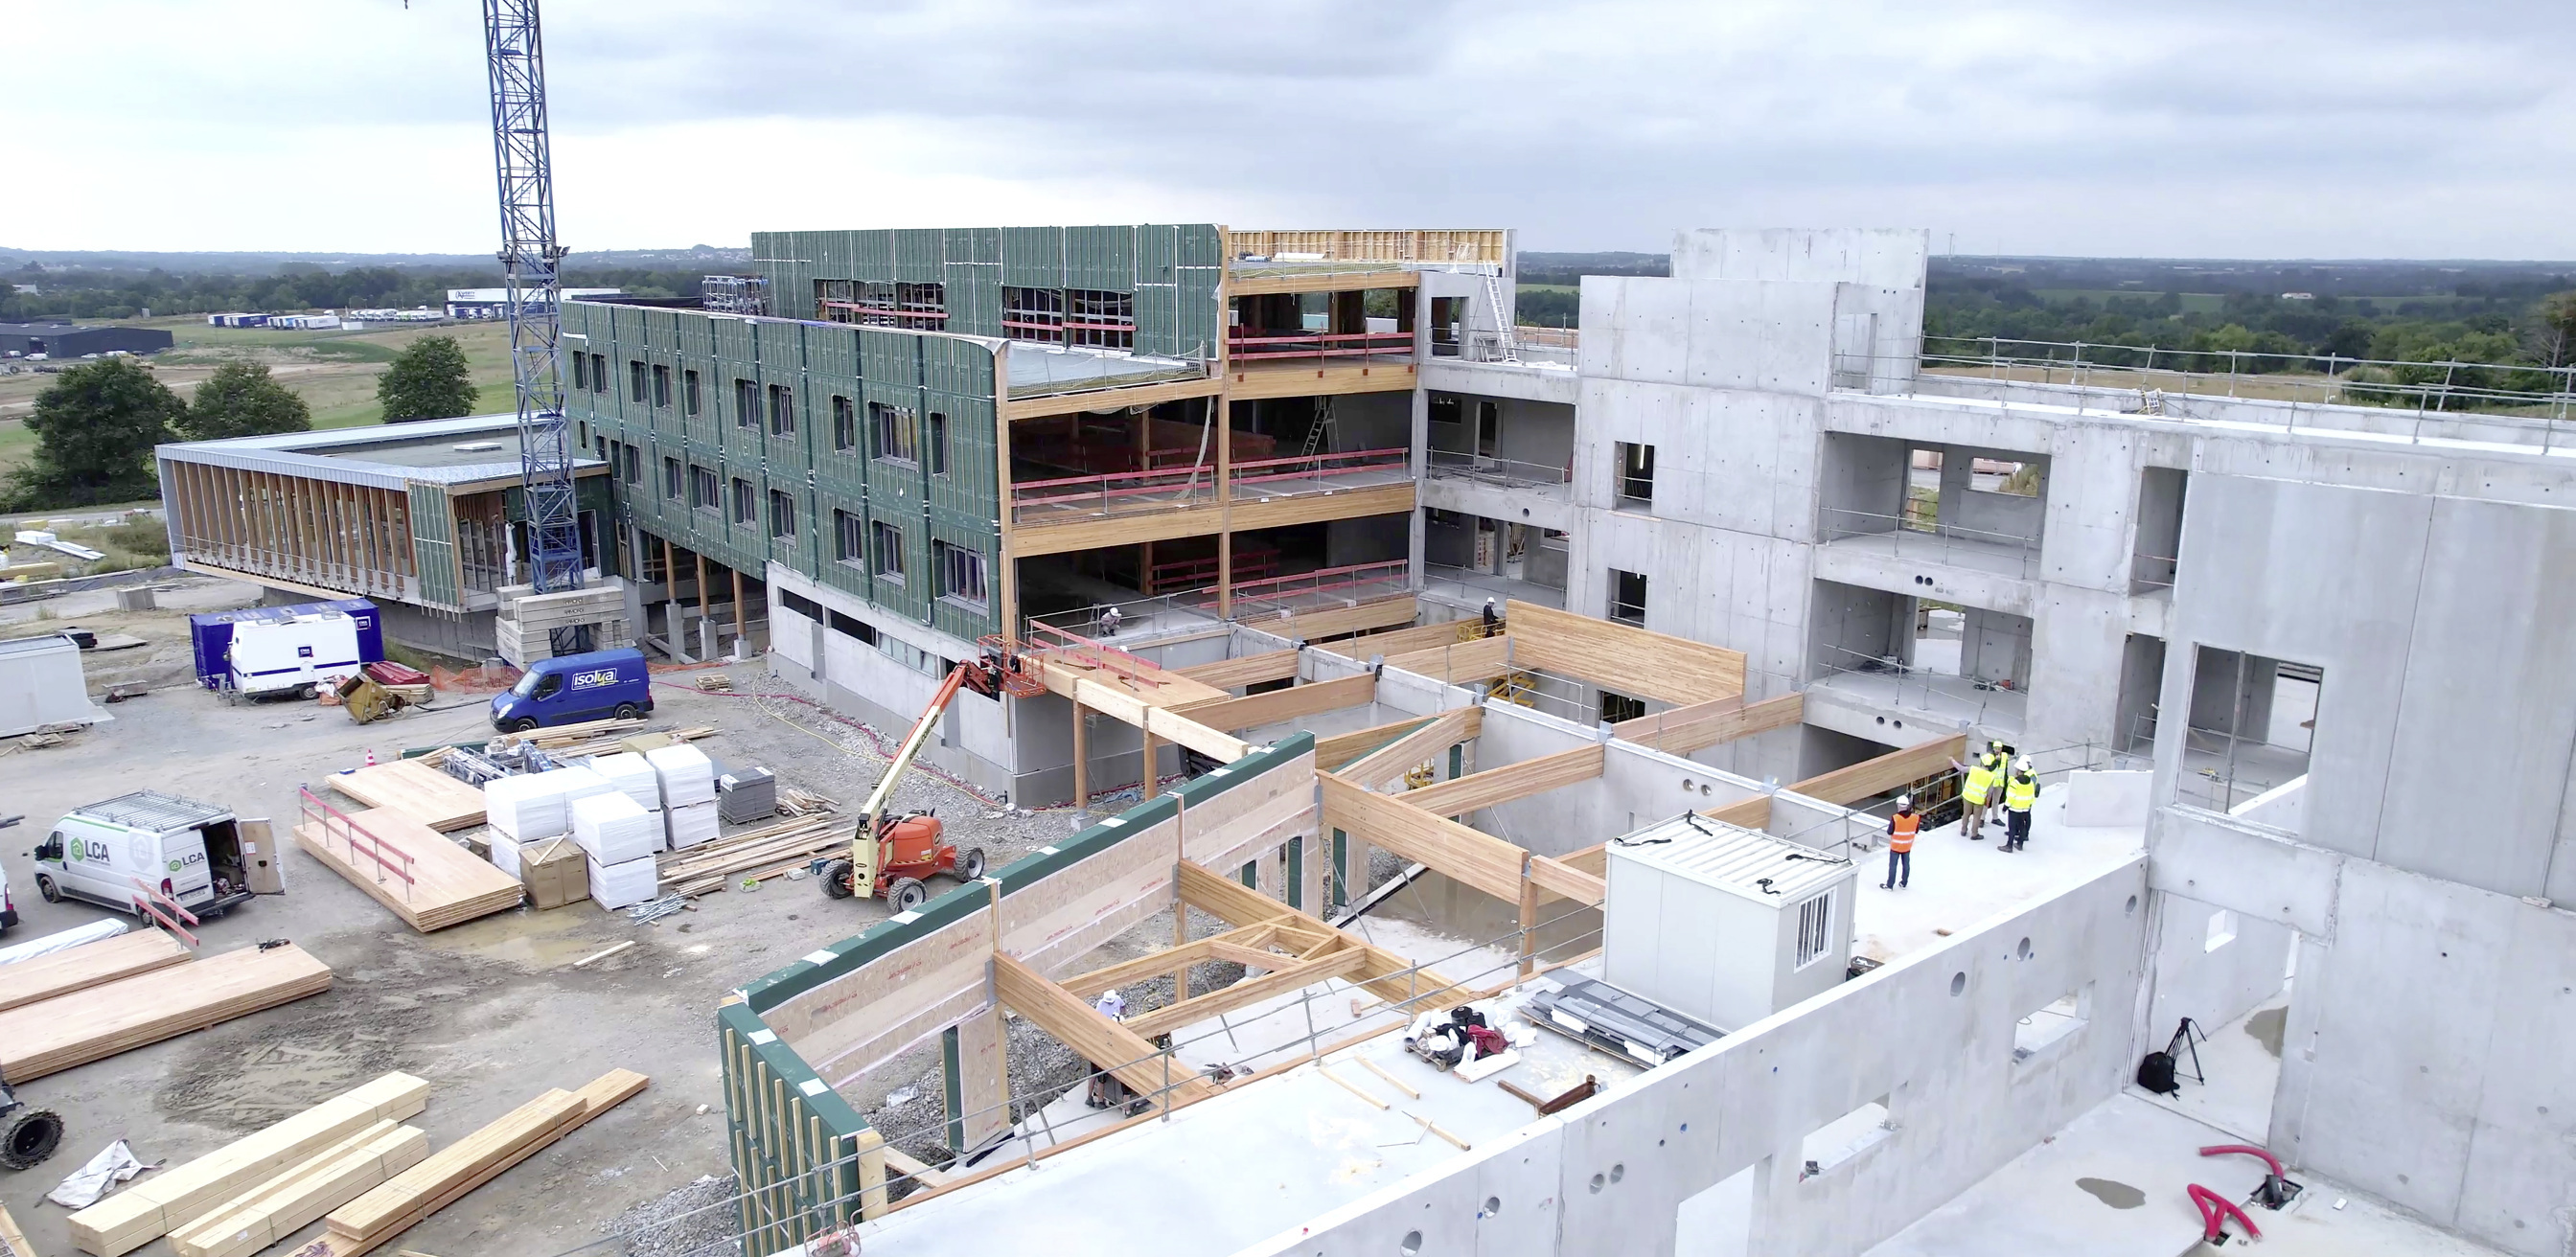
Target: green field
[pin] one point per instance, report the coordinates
(2192, 302)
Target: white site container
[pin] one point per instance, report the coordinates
(41, 684)
(1724, 924)
(309, 652)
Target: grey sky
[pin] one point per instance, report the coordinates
(2188, 127)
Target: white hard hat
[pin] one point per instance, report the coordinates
(1904, 801)
(2022, 764)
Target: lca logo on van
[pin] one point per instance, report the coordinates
(594, 680)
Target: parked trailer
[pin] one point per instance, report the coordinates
(211, 634)
(299, 656)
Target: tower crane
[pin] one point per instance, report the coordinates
(532, 258)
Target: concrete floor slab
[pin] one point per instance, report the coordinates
(1957, 882)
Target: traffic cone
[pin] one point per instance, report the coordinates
(371, 757)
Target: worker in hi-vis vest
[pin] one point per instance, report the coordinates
(2021, 793)
(1998, 766)
(1901, 829)
(1976, 790)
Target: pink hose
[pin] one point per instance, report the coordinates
(2220, 1150)
(2214, 1208)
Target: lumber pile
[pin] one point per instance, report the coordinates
(760, 854)
(88, 965)
(284, 1205)
(796, 801)
(13, 1242)
(715, 683)
(53, 1035)
(160, 1203)
(448, 885)
(403, 1201)
(417, 789)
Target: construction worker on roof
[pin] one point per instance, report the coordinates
(1997, 768)
(1975, 791)
(1901, 829)
(2021, 793)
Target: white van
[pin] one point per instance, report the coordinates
(298, 656)
(195, 853)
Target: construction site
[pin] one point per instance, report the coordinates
(1014, 738)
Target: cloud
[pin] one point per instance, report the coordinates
(2191, 127)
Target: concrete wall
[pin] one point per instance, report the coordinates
(1894, 257)
(2211, 985)
(1610, 1175)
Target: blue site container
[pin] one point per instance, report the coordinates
(211, 633)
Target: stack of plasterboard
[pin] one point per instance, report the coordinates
(625, 884)
(283, 1205)
(505, 852)
(538, 805)
(408, 1198)
(612, 830)
(688, 781)
(100, 1021)
(633, 774)
(160, 1203)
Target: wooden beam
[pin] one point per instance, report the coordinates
(1138, 970)
(1092, 1035)
(1255, 283)
(1081, 761)
(1296, 702)
(1404, 641)
(1884, 773)
(1752, 813)
(1040, 407)
(1497, 786)
(1460, 663)
(1388, 976)
(1340, 749)
(1225, 674)
(1480, 860)
(1395, 758)
(1313, 625)
(1617, 656)
(1683, 730)
(1280, 981)
(1248, 383)
(1397, 498)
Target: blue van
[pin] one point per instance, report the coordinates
(575, 688)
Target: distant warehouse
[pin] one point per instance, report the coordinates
(65, 340)
(494, 303)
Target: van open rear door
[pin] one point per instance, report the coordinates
(260, 872)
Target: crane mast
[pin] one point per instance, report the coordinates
(533, 259)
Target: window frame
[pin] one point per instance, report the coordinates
(746, 504)
(746, 403)
(1629, 476)
(691, 401)
(661, 386)
(885, 550)
(782, 515)
(635, 380)
(675, 486)
(845, 424)
(850, 539)
(703, 481)
(948, 562)
(782, 410)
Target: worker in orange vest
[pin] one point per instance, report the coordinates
(1901, 829)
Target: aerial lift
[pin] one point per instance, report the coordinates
(891, 855)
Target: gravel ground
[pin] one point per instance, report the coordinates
(694, 1221)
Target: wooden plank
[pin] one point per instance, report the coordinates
(1253, 282)
(1683, 730)
(53, 1035)
(1127, 702)
(1296, 702)
(1277, 665)
(1396, 758)
(448, 885)
(1566, 881)
(90, 964)
(1312, 625)
(1620, 657)
(1497, 786)
(1043, 405)
(1092, 1035)
(1885, 772)
(1405, 641)
(1752, 813)
(1172, 1017)
(154, 1205)
(401, 1202)
(1037, 537)
(1340, 749)
(1315, 508)
(1388, 976)
(290, 1203)
(1138, 970)
(418, 791)
(1252, 383)
(1480, 860)
(1459, 663)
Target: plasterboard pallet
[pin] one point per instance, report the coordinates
(448, 886)
(404, 1200)
(285, 1204)
(88, 965)
(56, 1034)
(414, 788)
(154, 1205)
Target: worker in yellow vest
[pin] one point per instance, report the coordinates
(2021, 793)
(1975, 792)
(1901, 829)
(1998, 766)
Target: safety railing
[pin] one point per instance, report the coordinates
(1529, 347)
(2004, 554)
(387, 861)
(1325, 587)
(1317, 346)
(2446, 385)
(1486, 469)
(1472, 585)
(2151, 572)
(1036, 502)
(1316, 471)
(166, 912)
(1944, 695)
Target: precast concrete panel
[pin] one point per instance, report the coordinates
(1635, 329)
(1895, 257)
(2093, 483)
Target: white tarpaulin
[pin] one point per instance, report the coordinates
(112, 1166)
(95, 931)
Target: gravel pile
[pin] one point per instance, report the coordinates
(693, 1221)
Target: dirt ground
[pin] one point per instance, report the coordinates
(489, 1012)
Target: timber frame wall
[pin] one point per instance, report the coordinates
(342, 537)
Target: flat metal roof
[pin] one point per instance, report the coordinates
(1746, 861)
(386, 456)
(153, 810)
(1038, 370)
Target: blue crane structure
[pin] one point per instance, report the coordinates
(531, 256)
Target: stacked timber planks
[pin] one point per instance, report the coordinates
(90, 964)
(417, 789)
(56, 1034)
(404, 1200)
(439, 885)
(154, 1206)
(761, 853)
(13, 1242)
(283, 1205)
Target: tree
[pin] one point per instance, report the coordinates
(2551, 338)
(95, 428)
(428, 380)
(242, 399)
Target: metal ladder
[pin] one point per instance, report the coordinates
(1502, 317)
(1320, 434)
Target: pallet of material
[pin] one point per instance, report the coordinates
(772, 849)
(408, 1198)
(87, 1025)
(285, 1204)
(417, 789)
(448, 886)
(90, 964)
(157, 1204)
